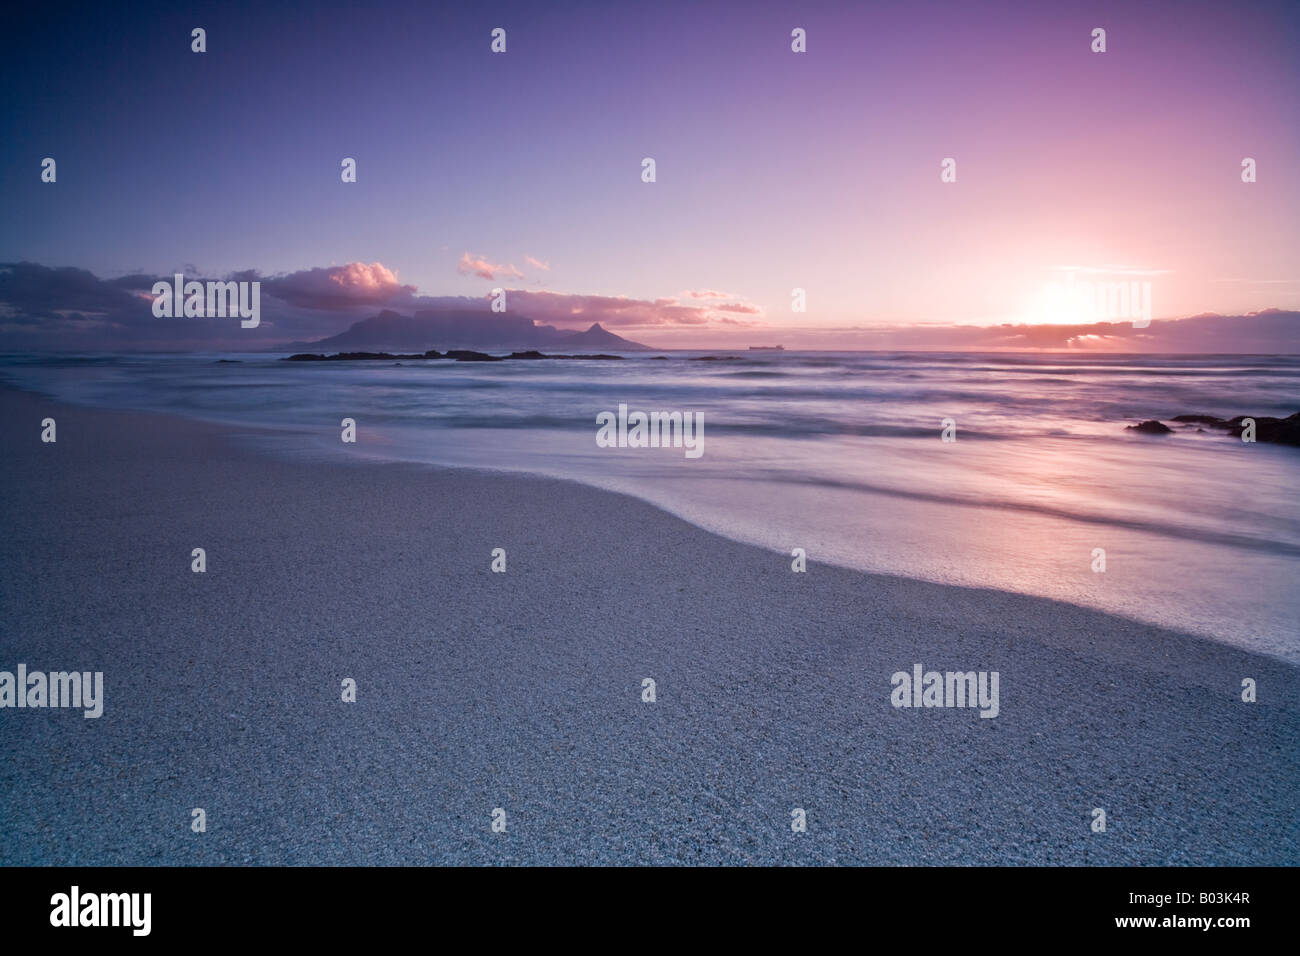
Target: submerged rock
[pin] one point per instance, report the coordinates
(350, 357)
(1151, 427)
(534, 354)
(469, 355)
(1274, 431)
(1277, 431)
(458, 355)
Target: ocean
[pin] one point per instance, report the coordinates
(839, 454)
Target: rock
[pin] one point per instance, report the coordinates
(1151, 427)
(1277, 431)
(468, 355)
(349, 357)
(459, 355)
(532, 354)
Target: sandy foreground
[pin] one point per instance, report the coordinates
(523, 690)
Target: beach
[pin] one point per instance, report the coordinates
(523, 690)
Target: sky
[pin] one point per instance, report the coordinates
(775, 170)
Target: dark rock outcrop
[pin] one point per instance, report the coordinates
(468, 355)
(533, 354)
(1151, 427)
(1276, 431)
(458, 355)
(353, 357)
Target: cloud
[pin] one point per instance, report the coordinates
(33, 296)
(708, 294)
(1113, 270)
(568, 309)
(538, 264)
(340, 287)
(1271, 331)
(68, 308)
(479, 266)
(65, 308)
(1262, 281)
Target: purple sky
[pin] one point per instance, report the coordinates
(775, 170)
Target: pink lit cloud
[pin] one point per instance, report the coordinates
(567, 309)
(339, 287)
(481, 267)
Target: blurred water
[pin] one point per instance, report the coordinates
(839, 453)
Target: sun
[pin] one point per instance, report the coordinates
(1054, 305)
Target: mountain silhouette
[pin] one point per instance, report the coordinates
(391, 331)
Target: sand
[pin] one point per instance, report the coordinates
(523, 690)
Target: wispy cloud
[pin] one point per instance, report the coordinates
(1114, 270)
(478, 265)
(566, 308)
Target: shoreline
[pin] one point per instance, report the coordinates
(523, 690)
(857, 488)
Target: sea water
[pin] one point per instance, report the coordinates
(840, 454)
